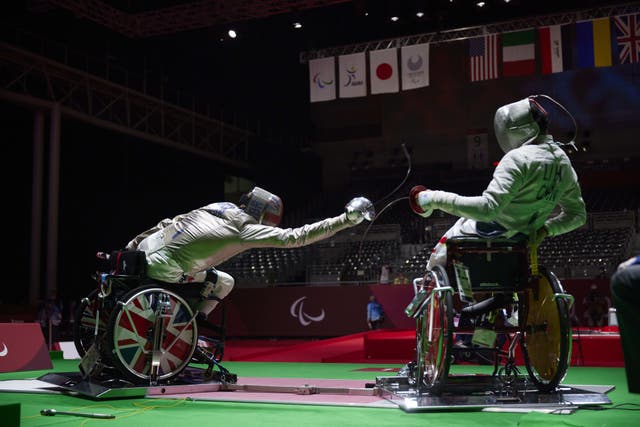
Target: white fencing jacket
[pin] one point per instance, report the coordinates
(533, 186)
(184, 247)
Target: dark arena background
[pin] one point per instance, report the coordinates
(117, 114)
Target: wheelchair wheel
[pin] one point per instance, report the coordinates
(434, 336)
(85, 319)
(546, 344)
(152, 335)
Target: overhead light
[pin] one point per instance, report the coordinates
(232, 34)
(395, 18)
(419, 14)
(297, 25)
(480, 4)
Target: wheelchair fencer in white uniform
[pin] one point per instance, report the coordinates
(534, 192)
(181, 254)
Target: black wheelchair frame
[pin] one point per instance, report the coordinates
(136, 329)
(504, 275)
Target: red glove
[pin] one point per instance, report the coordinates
(413, 199)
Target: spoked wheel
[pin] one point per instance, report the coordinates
(90, 321)
(152, 335)
(546, 343)
(434, 335)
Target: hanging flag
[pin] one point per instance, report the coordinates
(322, 78)
(415, 66)
(483, 54)
(551, 49)
(518, 53)
(627, 33)
(352, 72)
(594, 43)
(383, 70)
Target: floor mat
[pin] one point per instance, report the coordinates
(306, 391)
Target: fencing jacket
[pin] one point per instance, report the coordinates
(178, 249)
(529, 183)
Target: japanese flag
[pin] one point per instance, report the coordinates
(383, 70)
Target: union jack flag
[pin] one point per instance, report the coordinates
(134, 335)
(627, 31)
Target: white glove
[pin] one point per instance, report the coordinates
(359, 209)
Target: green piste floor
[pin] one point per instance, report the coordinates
(159, 412)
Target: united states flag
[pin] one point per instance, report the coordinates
(627, 30)
(483, 57)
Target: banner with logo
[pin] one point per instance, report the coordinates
(322, 79)
(22, 348)
(415, 66)
(383, 69)
(312, 311)
(352, 72)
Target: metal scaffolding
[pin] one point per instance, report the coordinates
(188, 16)
(476, 31)
(39, 82)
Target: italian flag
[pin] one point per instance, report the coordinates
(518, 53)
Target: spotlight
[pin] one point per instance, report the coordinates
(297, 25)
(480, 4)
(232, 34)
(419, 14)
(395, 18)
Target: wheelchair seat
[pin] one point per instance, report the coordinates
(493, 264)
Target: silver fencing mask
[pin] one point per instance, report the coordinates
(515, 125)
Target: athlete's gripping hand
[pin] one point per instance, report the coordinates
(419, 201)
(359, 209)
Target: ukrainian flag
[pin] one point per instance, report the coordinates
(594, 43)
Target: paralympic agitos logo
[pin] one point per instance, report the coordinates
(297, 310)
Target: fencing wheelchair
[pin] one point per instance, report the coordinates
(507, 299)
(139, 330)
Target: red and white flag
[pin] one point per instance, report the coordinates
(551, 49)
(383, 69)
(322, 79)
(483, 57)
(352, 72)
(415, 66)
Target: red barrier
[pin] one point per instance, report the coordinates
(312, 311)
(22, 348)
(331, 311)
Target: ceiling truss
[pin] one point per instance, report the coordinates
(465, 33)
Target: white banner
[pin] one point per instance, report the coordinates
(322, 79)
(415, 66)
(477, 149)
(383, 66)
(352, 72)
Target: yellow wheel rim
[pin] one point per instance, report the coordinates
(543, 332)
